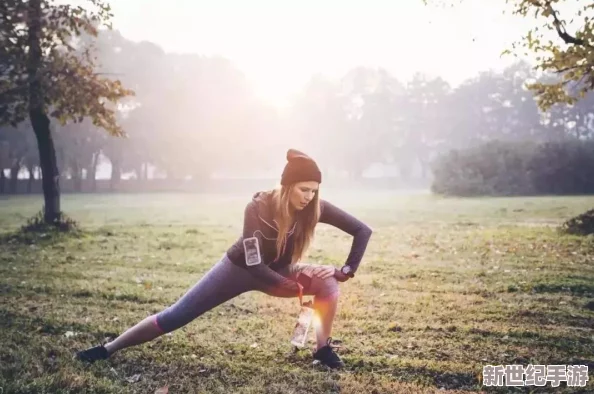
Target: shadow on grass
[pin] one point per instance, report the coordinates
(232, 365)
(188, 367)
(565, 348)
(575, 288)
(539, 318)
(22, 323)
(116, 296)
(413, 374)
(29, 290)
(19, 238)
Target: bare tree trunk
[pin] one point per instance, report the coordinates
(116, 174)
(93, 172)
(4, 154)
(14, 174)
(49, 169)
(39, 119)
(141, 172)
(2, 180)
(31, 179)
(76, 176)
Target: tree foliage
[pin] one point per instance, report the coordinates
(570, 56)
(72, 88)
(562, 43)
(48, 70)
(499, 168)
(193, 116)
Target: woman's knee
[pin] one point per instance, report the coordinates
(324, 288)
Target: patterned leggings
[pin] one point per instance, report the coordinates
(225, 281)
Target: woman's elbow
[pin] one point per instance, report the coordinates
(366, 231)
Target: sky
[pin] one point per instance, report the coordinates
(280, 44)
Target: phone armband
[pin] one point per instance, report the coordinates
(251, 247)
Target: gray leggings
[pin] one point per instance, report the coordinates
(225, 281)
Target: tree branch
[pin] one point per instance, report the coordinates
(566, 37)
(562, 70)
(25, 85)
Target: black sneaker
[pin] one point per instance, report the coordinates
(328, 357)
(93, 354)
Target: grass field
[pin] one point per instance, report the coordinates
(447, 286)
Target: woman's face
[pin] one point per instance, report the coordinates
(303, 193)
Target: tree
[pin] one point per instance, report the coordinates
(20, 152)
(567, 52)
(426, 114)
(564, 47)
(571, 56)
(46, 70)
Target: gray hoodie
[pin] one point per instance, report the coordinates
(260, 227)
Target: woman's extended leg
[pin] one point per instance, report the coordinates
(146, 330)
(223, 282)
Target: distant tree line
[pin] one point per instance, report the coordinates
(193, 115)
(510, 168)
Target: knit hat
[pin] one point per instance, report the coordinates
(300, 168)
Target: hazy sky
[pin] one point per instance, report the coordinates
(279, 44)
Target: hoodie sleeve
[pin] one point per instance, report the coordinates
(360, 231)
(251, 231)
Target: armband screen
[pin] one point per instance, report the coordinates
(252, 251)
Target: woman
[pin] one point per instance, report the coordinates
(278, 228)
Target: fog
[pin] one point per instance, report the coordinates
(366, 98)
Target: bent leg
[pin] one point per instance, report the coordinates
(223, 282)
(326, 293)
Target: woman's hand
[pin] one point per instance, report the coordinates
(321, 271)
(340, 276)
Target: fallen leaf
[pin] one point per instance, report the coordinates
(133, 378)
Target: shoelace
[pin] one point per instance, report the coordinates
(331, 345)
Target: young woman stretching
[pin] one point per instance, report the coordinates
(277, 229)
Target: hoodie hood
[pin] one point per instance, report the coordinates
(265, 206)
(263, 199)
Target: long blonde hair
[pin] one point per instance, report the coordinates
(304, 228)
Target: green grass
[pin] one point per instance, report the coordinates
(447, 286)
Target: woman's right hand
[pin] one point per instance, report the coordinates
(340, 276)
(321, 271)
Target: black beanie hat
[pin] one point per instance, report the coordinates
(300, 168)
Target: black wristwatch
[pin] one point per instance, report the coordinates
(348, 271)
